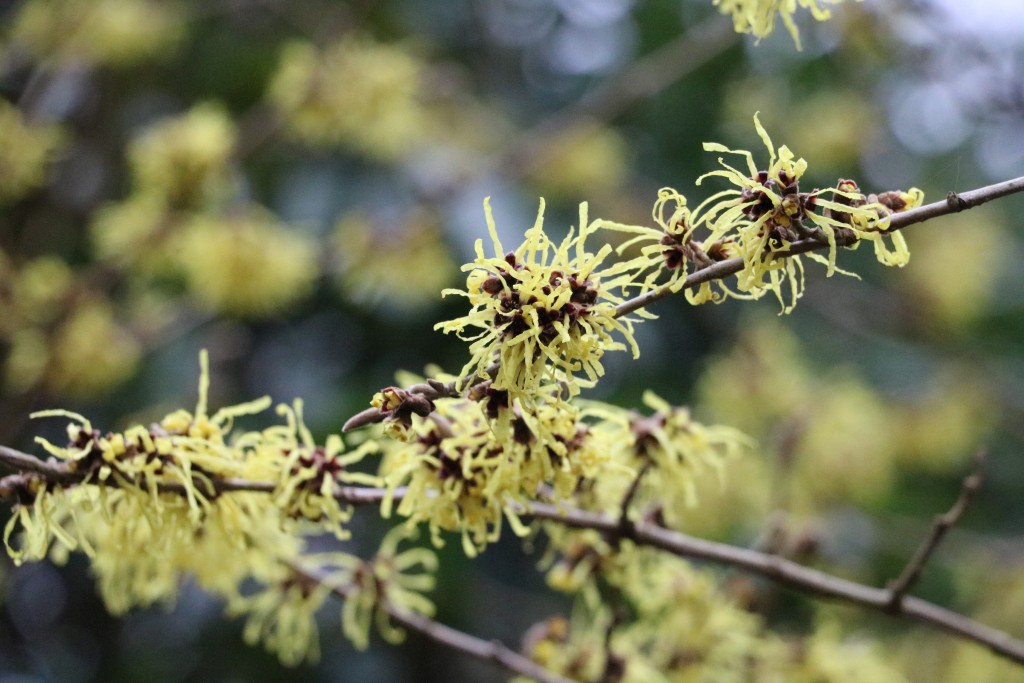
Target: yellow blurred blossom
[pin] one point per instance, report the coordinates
(107, 32)
(392, 580)
(91, 352)
(979, 260)
(245, 263)
(26, 151)
(358, 94)
(39, 290)
(680, 625)
(401, 265)
(946, 423)
(832, 437)
(828, 440)
(129, 233)
(282, 617)
(758, 16)
(184, 159)
(27, 360)
(583, 159)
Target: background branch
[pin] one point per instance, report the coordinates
(943, 523)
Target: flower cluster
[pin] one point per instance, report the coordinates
(117, 33)
(182, 223)
(758, 220)
(642, 615)
(184, 159)
(667, 450)
(281, 615)
(245, 263)
(377, 259)
(150, 504)
(470, 463)
(26, 150)
(544, 313)
(59, 336)
(357, 93)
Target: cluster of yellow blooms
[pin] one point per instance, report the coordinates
(758, 220)
(647, 616)
(545, 311)
(149, 505)
(467, 452)
(542, 318)
(358, 93)
(180, 223)
(26, 149)
(369, 251)
(470, 451)
(464, 454)
(60, 338)
(113, 33)
(464, 464)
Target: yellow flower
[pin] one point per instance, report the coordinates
(26, 151)
(758, 16)
(282, 616)
(672, 247)
(674, 448)
(309, 475)
(583, 159)
(184, 159)
(246, 263)
(545, 312)
(154, 490)
(466, 465)
(132, 233)
(357, 93)
(766, 212)
(109, 32)
(392, 580)
(91, 352)
(400, 265)
(457, 476)
(43, 514)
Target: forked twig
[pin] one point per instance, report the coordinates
(910, 575)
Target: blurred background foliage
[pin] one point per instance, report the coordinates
(290, 184)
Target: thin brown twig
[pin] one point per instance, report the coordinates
(634, 487)
(51, 469)
(910, 575)
(789, 573)
(487, 650)
(60, 473)
(954, 203)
